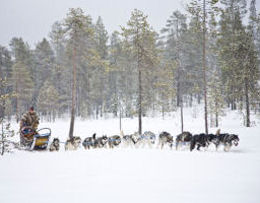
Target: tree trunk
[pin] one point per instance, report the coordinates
(97, 111)
(139, 86)
(247, 104)
(191, 100)
(120, 120)
(73, 95)
(16, 102)
(178, 89)
(181, 115)
(3, 143)
(216, 114)
(198, 98)
(204, 68)
(139, 102)
(163, 112)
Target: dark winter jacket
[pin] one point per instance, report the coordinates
(30, 119)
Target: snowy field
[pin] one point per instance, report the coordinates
(136, 175)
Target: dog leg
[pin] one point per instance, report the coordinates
(227, 148)
(217, 146)
(198, 147)
(162, 145)
(177, 146)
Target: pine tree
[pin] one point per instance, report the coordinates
(257, 38)
(176, 26)
(101, 38)
(139, 37)
(22, 86)
(201, 10)
(250, 72)
(193, 50)
(58, 42)
(60, 71)
(238, 57)
(48, 101)
(5, 127)
(252, 25)
(22, 75)
(5, 134)
(5, 73)
(5, 62)
(21, 52)
(176, 29)
(44, 64)
(76, 26)
(115, 90)
(215, 94)
(101, 74)
(216, 101)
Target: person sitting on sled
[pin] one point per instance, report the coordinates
(30, 119)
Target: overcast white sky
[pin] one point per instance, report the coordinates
(32, 19)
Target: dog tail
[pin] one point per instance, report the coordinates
(218, 132)
(94, 136)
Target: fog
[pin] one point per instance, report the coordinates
(32, 20)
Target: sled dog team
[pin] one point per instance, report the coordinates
(149, 138)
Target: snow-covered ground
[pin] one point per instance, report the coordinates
(136, 175)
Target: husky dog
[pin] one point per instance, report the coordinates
(228, 140)
(199, 141)
(183, 139)
(202, 140)
(135, 138)
(102, 141)
(72, 143)
(148, 138)
(165, 138)
(90, 142)
(55, 145)
(114, 141)
(211, 138)
(127, 140)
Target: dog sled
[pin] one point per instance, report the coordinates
(34, 140)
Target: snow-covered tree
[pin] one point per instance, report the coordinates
(5, 130)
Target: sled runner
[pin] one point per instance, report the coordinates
(35, 140)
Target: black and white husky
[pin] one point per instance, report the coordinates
(147, 138)
(127, 141)
(72, 143)
(55, 145)
(102, 141)
(203, 140)
(135, 138)
(183, 139)
(114, 141)
(228, 140)
(165, 138)
(93, 142)
(90, 142)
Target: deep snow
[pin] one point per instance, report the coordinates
(136, 175)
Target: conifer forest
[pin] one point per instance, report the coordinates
(207, 55)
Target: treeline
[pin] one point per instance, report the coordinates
(137, 71)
